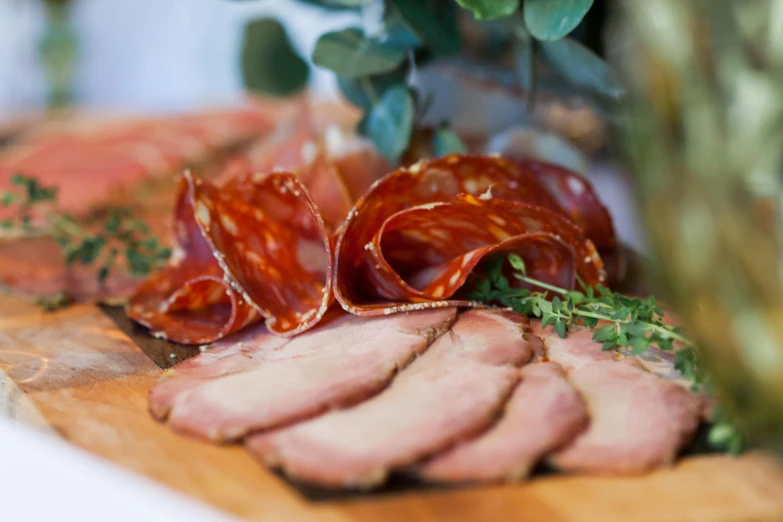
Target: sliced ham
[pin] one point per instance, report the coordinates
(339, 363)
(543, 413)
(240, 352)
(638, 421)
(453, 391)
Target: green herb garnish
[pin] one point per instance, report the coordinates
(37, 214)
(635, 324)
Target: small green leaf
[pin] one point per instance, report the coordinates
(366, 92)
(348, 53)
(445, 141)
(433, 22)
(544, 305)
(270, 65)
(553, 19)
(490, 9)
(604, 333)
(113, 223)
(391, 122)
(581, 67)
(638, 345)
(557, 304)
(560, 328)
(516, 262)
(400, 36)
(636, 328)
(9, 198)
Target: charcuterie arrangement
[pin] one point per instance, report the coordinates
(342, 340)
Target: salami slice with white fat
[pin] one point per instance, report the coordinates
(189, 301)
(411, 242)
(577, 198)
(256, 248)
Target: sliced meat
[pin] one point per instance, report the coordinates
(575, 351)
(234, 354)
(453, 391)
(578, 349)
(543, 413)
(338, 363)
(638, 420)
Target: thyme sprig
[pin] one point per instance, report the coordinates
(36, 213)
(633, 324)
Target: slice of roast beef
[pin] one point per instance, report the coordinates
(543, 413)
(639, 421)
(453, 391)
(339, 363)
(239, 352)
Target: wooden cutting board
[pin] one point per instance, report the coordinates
(76, 374)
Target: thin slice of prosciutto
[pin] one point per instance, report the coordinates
(543, 413)
(453, 391)
(341, 362)
(639, 421)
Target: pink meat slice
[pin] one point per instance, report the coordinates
(237, 353)
(453, 391)
(578, 349)
(336, 364)
(544, 413)
(638, 420)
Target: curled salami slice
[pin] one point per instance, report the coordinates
(189, 301)
(422, 256)
(256, 248)
(270, 240)
(577, 198)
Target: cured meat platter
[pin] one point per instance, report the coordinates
(78, 375)
(364, 336)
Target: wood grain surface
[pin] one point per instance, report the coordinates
(75, 373)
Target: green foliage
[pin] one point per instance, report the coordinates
(390, 122)
(270, 65)
(551, 20)
(97, 244)
(490, 9)
(581, 67)
(431, 21)
(349, 54)
(367, 91)
(445, 141)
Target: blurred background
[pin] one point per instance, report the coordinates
(146, 55)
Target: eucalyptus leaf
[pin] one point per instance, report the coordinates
(432, 21)
(390, 122)
(445, 141)
(365, 92)
(400, 36)
(270, 64)
(551, 20)
(490, 9)
(581, 67)
(349, 54)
